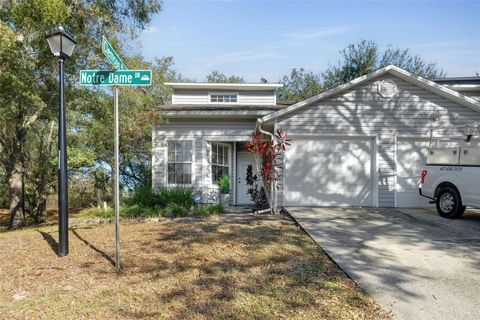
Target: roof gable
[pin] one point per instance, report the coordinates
(393, 70)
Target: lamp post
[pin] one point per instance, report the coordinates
(62, 44)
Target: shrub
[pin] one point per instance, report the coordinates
(210, 209)
(257, 194)
(145, 197)
(136, 211)
(175, 210)
(224, 184)
(182, 196)
(97, 213)
(215, 209)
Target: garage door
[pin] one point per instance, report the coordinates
(411, 157)
(329, 172)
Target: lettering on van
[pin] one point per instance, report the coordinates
(451, 168)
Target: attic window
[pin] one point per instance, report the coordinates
(224, 98)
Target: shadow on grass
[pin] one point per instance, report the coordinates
(91, 246)
(51, 241)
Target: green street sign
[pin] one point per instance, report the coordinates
(116, 78)
(112, 56)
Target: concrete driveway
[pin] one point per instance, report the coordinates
(416, 264)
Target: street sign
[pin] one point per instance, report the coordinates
(116, 78)
(112, 56)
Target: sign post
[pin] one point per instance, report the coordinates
(121, 76)
(117, 178)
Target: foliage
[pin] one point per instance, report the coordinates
(137, 211)
(145, 197)
(209, 210)
(257, 195)
(268, 154)
(364, 57)
(175, 210)
(357, 59)
(182, 196)
(224, 184)
(28, 83)
(133, 211)
(218, 77)
(300, 85)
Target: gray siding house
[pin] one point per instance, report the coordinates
(360, 144)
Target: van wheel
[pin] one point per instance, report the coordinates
(449, 204)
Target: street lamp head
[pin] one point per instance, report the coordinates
(61, 43)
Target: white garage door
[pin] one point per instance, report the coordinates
(329, 172)
(411, 157)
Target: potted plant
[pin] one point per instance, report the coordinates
(224, 184)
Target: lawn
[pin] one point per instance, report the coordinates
(220, 267)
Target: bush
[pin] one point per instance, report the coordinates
(144, 202)
(175, 210)
(215, 209)
(209, 210)
(182, 196)
(97, 213)
(145, 197)
(139, 211)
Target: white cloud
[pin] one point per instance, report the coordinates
(235, 57)
(303, 36)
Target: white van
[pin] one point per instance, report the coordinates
(451, 178)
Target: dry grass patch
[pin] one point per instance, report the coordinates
(214, 268)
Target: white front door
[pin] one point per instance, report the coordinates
(243, 160)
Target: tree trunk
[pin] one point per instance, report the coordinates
(17, 218)
(41, 208)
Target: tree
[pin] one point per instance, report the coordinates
(218, 77)
(93, 137)
(300, 85)
(28, 86)
(364, 57)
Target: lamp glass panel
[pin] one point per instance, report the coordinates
(68, 46)
(54, 44)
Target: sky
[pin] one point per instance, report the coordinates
(255, 39)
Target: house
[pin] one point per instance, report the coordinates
(360, 144)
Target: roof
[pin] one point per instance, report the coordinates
(436, 88)
(463, 87)
(458, 80)
(225, 107)
(217, 110)
(224, 86)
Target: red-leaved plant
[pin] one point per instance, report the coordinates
(268, 153)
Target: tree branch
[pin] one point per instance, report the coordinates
(31, 120)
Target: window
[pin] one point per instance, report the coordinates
(223, 98)
(220, 165)
(179, 162)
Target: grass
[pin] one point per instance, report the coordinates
(213, 268)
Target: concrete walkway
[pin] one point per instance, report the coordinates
(416, 264)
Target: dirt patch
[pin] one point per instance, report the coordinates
(177, 269)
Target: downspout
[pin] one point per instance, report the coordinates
(272, 187)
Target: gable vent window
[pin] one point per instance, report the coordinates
(223, 98)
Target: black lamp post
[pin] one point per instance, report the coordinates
(62, 45)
